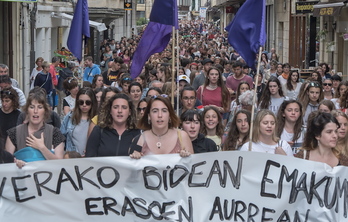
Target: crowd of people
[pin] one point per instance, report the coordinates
(111, 114)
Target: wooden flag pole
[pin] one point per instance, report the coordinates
(177, 70)
(254, 99)
(173, 64)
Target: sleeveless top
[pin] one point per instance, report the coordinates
(147, 151)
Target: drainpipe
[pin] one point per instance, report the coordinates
(32, 32)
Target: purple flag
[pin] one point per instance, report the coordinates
(246, 32)
(164, 15)
(79, 28)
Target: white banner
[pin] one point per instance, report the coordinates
(222, 186)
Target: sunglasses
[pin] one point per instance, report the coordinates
(314, 84)
(327, 84)
(87, 102)
(141, 109)
(5, 92)
(127, 79)
(162, 95)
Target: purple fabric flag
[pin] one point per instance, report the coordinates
(79, 28)
(164, 15)
(246, 32)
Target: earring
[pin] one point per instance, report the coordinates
(148, 121)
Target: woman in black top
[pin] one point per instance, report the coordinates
(115, 130)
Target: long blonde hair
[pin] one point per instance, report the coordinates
(256, 130)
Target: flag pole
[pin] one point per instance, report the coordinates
(173, 64)
(82, 61)
(254, 98)
(177, 69)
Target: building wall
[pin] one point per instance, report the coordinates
(282, 22)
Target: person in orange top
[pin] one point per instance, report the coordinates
(286, 71)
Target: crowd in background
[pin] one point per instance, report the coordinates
(111, 114)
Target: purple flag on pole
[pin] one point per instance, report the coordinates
(246, 32)
(164, 15)
(79, 28)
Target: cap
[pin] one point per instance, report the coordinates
(185, 78)
(205, 61)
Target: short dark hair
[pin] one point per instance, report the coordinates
(5, 79)
(118, 59)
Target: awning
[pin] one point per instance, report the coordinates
(99, 26)
(328, 9)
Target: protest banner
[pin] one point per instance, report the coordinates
(219, 186)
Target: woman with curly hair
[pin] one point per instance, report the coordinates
(239, 131)
(115, 130)
(321, 140)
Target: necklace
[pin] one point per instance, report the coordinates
(159, 144)
(212, 86)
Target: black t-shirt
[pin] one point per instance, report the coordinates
(109, 79)
(8, 121)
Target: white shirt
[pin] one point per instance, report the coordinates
(265, 148)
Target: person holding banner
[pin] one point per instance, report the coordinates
(264, 139)
(36, 135)
(160, 135)
(115, 130)
(191, 122)
(321, 140)
(239, 131)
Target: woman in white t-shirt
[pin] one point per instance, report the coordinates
(272, 96)
(289, 124)
(264, 139)
(292, 87)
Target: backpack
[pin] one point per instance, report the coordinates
(63, 75)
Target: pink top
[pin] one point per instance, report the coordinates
(147, 151)
(232, 82)
(210, 97)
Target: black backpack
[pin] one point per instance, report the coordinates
(63, 75)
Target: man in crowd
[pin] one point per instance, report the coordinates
(4, 71)
(91, 69)
(199, 80)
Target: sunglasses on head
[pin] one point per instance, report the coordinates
(162, 95)
(314, 84)
(87, 102)
(5, 92)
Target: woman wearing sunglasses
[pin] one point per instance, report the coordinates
(75, 124)
(160, 135)
(142, 107)
(327, 85)
(115, 130)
